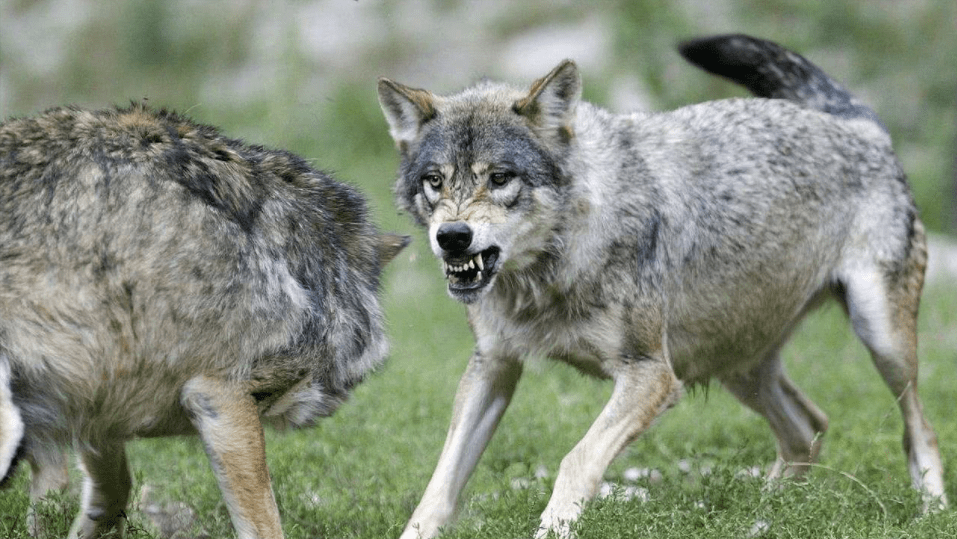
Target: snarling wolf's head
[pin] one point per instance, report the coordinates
(484, 171)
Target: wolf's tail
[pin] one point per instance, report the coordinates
(770, 70)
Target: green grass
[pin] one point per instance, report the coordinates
(359, 473)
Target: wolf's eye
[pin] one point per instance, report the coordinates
(501, 178)
(433, 180)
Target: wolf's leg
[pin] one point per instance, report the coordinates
(797, 423)
(49, 473)
(106, 490)
(228, 423)
(484, 392)
(883, 310)
(643, 390)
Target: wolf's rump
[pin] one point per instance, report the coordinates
(136, 242)
(158, 278)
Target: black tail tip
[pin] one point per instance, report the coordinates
(734, 56)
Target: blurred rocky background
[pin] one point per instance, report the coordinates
(301, 74)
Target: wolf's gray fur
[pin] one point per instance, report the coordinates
(159, 278)
(657, 249)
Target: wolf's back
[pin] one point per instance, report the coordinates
(769, 70)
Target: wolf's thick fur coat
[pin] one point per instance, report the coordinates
(657, 249)
(159, 278)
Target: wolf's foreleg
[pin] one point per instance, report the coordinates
(228, 423)
(484, 392)
(643, 390)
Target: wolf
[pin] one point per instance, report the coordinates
(159, 278)
(660, 250)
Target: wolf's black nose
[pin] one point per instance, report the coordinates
(454, 236)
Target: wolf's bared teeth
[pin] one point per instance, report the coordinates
(478, 277)
(471, 264)
(478, 260)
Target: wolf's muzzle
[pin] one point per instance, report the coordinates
(468, 269)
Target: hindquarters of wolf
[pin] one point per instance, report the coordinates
(745, 246)
(159, 278)
(849, 206)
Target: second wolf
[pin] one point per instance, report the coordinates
(157, 278)
(662, 249)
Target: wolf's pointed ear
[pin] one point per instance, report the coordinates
(390, 245)
(551, 102)
(406, 109)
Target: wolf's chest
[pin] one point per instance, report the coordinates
(583, 337)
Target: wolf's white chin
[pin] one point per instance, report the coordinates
(469, 292)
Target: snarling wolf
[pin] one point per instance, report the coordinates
(661, 249)
(158, 278)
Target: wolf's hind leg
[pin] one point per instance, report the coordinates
(227, 419)
(796, 422)
(49, 473)
(643, 390)
(106, 491)
(883, 310)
